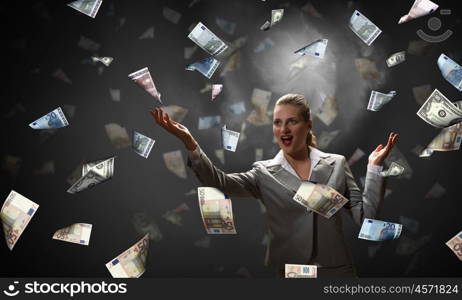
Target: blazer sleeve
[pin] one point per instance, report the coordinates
(234, 184)
(365, 204)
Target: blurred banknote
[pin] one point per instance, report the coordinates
(115, 94)
(439, 112)
(320, 198)
(59, 74)
(420, 47)
(376, 230)
(144, 80)
(203, 243)
(145, 225)
(16, 213)
(328, 110)
(435, 192)
(301, 271)
(46, 169)
(225, 25)
(171, 15)
(175, 163)
(356, 156)
(451, 71)
(131, 263)
(367, 69)
(104, 60)
(209, 122)
(147, 34)
(396, 59)
(237, 108)
(455, 244)
(206, 66)
(276, 16)
(393, 170)
(232, 64)
(207, 40)
(364, 28)
(220, 154)
(229, 139)
(377, 100)
(421, 93)
(449, 139)
(88, 44)
(118, 135)
(266, 44)
(420, 8)
(142, 144)
(258, 154)
(11, 164)
(175, 112)
(88, 7)
(53, 119)
(216, 211)
(408, 246)
(265, 26)
(189, 51)
(92, 174)
(326, 138)
(260, 101)
(411, 225)
(316, 48)
(78, 233)
(174, 216)
(311, 10)
(216, 90)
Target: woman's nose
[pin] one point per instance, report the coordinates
(285, 128)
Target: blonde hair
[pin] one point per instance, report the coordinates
(304, 110)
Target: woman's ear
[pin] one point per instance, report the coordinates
(310, 124)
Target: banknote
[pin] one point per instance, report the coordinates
(203, 243)
(189, 51)
(266, 44)
(301, 271)
(175, 163)
(16, 213)
(132, 262)
(220, 154)
(260, 101)
(265, 26)
(455, 244)
(439, 112)
(11, 164)
(451, 71)
(396, 156)
(225, 25)
(174, 216)
(216, 211)
(376, 230)
(209, 122)
(364, 28)
(233, 47)
(328, 110)
(144, 80)
(207, 40)
(276, 16)
(421, 48)
(171, 15)
(232, 64)
(53, 119)
(229, 139)
(59, 74)
(367, 69)
(394, 169)
(258, 154)
(115, 94)
(88, 44)
(449, 139)
(419, 9)
(311, 10)
(396, 58)
(142, 144)
(206, 66)
(46, 169)
(147, 34)
(320, 198)
(175, 112)
(92, 174)
(78, 233)
(216, 90)
(377, 100)
(88, 7)
(145, 225)
(106, 60)
(326, 138)
(316, 48)
(421, 93)
(237, 108)
(356, 156)
(435, 192)
(118, 135)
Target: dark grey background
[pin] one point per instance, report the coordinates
(41, 37)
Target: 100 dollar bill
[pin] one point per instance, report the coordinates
(439, 112)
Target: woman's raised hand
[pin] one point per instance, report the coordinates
(380, 153)
(175, 128)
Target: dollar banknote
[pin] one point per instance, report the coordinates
(449, 139)
(364, 28)
(455, 244)
(88, 7)
(451, 71)
(216, 90)
(132, 262)
(175, 112)
(16, 213)
(209, 122)
(394, 169)
(421, 93)
(396, 156)
(171, 15)
(316, 48)
(104, 60)
(147, 34)
(206, 66)
(377, 100)
(439, 112)
(266, 44)
(376, 230)
(53, 119)
(225, 25)
(367, 69)
(419, 9)
(144, 80)
(301, 271)
(276, 16)
(265, 26)
(396, 58)
(326, 138)
(260, 101)
(145, 225)
(320, 198)
(118, 135)
(328, 110)
(207, 40)
(78, 233)
(229, 139)
(92, 174)
(216, 211)
(175, 163)
(142, 144)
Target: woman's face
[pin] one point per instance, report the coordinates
(290, 128)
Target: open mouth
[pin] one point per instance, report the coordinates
(286, 140)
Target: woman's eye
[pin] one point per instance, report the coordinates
(293, 121)
(277, 123)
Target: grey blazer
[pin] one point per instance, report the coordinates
(291, 224)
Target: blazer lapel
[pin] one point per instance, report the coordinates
(285, 178)
(322, 170)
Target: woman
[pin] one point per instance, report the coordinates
(298, 236)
